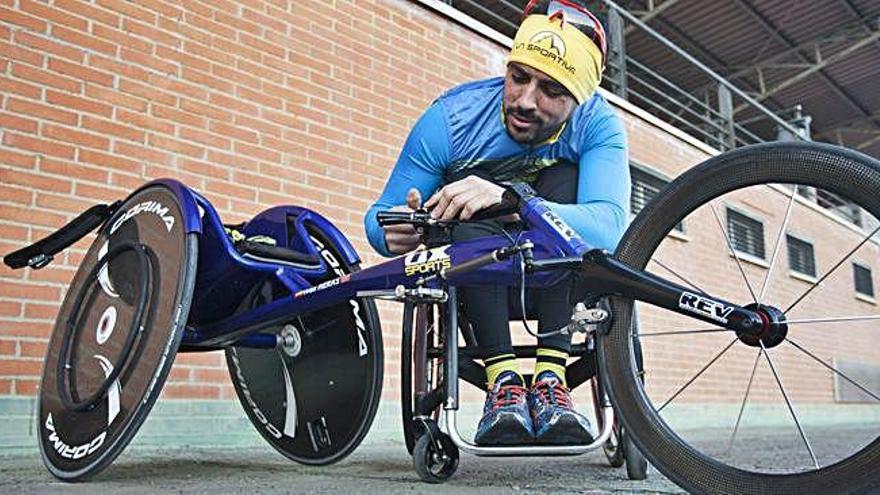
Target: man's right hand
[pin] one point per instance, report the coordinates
(401, 239)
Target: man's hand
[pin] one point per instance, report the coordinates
(401, 238)
(461, 199)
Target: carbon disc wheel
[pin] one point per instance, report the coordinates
(791, 409)
(116, 335)
(315, 398)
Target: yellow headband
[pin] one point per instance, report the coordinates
(561, 51)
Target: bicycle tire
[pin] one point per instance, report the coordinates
(843, 172)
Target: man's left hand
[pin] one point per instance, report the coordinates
(461, 199)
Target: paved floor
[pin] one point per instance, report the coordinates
(372, 469)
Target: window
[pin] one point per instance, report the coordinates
(801, 257)
(746, 234)
(645, 186)
(863, 280)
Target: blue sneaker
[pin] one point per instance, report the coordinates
(555, 420)
(506, 419)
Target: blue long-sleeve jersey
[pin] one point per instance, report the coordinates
(464, 129)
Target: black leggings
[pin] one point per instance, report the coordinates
(489, 308)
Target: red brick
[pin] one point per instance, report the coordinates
(238, 23)
(163, 8)
(178, 116)
(72, 170)
(79, 103)
(42, 111)
(211, 375)
(18, 160)
(263, 46)
(58, 275)
(34, 180)
(6, 386)
(148, 60)
(150, 33)
(257, 152)
(15, 52)
(121, 69)
(143, 121)
(184, 58)
(200, 110)
(121, 38)
(45, 78)
(107, 127)
(38, 145)
(205, 169)
(24, 20)
(231, 103)
(40, 311)
(56, 16)
(230, 189)
(48, 45)
(88, 11)
(84, 40)
(259, 125)
(260, 182)
(261, 19)
(233, 132)
(8, 347)
(32, 349)
(129, 9)
(206, 138)
(233, 160)
(19, 88)
(12, 121)
(116, 98)
(142, 153)
(147, 92)
(18, 290)
(61, 203)
(178, 391)
(76, 137)
(80, 72)
(13, 233)
(178, 86)
(169, 144)
(26, 387)
(99, 193)
(111, 161)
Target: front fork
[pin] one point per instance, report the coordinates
(612, 277)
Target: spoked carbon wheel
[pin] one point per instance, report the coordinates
(314, 398)
(785, 229)
(116, 335)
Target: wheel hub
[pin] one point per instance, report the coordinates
(772, 330)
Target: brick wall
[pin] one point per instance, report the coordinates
(254, 103)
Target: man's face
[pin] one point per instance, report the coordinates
(535, 105)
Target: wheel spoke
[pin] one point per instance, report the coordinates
(829, 272)
(733, 251)
(679, 276)
(833, 369)
(778, 243)
(833, 319)
(703, 370)
(745, 400)
(682, 332)
(789, 405)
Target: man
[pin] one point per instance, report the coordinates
(542, 123)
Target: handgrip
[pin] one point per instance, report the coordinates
(40, 253)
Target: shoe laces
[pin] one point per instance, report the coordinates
(508, 395)
(554, 393)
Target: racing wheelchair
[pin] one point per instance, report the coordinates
(163, 276)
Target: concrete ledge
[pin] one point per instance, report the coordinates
(176, 423)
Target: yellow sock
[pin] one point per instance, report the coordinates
(496, 365)
(551, 360)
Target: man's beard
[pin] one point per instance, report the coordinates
(538, 133)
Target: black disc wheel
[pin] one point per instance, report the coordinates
(435, 457)
(116, 335)
(313, 398)
(789, 230)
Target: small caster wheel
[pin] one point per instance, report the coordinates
(435, 457)
(613, 449)
(636, 464)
